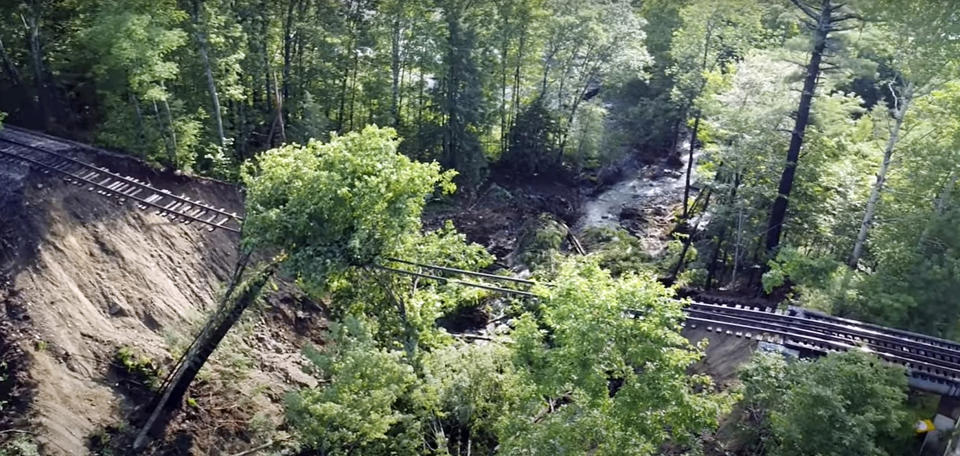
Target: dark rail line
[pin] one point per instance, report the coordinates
(925, 362)
(927, 358)
(36, 150)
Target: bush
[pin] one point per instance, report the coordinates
(841, 404)
(618, 251)
(141, 368)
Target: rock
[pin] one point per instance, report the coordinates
(609, 175)
(631, 213)
(672, 173)
(117, 310)
(499, 194)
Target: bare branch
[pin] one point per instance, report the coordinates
(834, 28)
(810, 12)
(845, 17)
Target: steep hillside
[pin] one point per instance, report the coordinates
(86, 277)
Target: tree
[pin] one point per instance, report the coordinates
(711, 34)
(914, 252)
(592, 379)
(357, 411)
(345, 203)
(830, 17)
(463, 95)
(531, 141)
(924, 57)
(135, 41)
(327, 209)
(843, 403)
(588, 44)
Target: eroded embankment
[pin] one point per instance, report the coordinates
(85, 276)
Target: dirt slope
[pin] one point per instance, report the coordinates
(86, 275)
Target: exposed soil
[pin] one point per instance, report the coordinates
(83, 276)
(640, 194)
(494, 217)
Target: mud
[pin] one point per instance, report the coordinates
(83, 275)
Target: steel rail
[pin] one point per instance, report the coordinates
(108, 190)
(952, 367)
(134, 183)
(826, 346)
(922, 338)
(852, 332)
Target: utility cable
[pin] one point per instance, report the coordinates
(457, 282)
(465, 272)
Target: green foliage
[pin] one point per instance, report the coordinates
(406, 308)
(598, 370)
(808, 272)
(19, 445)
(339, 204)
(142, 368)
(355, 413)
(592, 379)
(849, 403)
(375, 400)
(134, 39)
(540, 241)
(617, 250)
(531, 142)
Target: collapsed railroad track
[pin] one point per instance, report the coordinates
(932, 363)
(52, 155)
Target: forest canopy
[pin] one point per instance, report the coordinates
(818, 143)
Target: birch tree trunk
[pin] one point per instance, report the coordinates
(32, 25)
(900, 109)
(208, 71)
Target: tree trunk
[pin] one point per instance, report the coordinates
(161, 128)
(696, 121)
(504, 49)
(943, 201)
(353, 86)
(36, 58)
(173, 133)
(8, 67)
(140, 128)
(693, 147)
(871, 209)
(940, 205)
(518, 71)
(287, 47)
(712, 266)
(689, 240)
(779, 211)
(213, 333)
(208, 71)
(395, 66)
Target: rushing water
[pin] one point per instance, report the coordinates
(645, 187)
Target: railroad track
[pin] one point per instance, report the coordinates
(933, 364)
(52, 155)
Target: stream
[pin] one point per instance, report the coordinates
(650, 193)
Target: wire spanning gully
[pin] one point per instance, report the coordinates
(49, 155)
